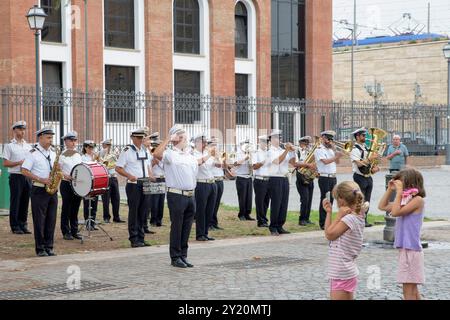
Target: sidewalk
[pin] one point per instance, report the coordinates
(286, 267)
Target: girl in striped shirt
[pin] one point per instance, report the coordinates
(346, 237)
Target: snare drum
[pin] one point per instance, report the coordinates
(154, 187)
(89, 179)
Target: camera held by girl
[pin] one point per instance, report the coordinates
(408, 208)
(345, 233)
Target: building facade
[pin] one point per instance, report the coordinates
(215, 48)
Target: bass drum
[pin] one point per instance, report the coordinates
(89, 179)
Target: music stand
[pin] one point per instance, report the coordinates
(89, 222)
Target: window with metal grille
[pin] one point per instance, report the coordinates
(186, 26)
(241, 31)
(120, 97)
(52, 30)
(119, 23)
(52, 93)
(241, 92)
(187, 97)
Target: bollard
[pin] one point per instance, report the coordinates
(389, 229)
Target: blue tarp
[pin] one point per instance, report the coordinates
(387, 39)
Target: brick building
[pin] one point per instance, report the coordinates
(219, 48)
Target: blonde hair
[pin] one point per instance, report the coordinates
(350, 192)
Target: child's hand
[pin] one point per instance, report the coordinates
(391, 185)
(326, 204)
(398, 185)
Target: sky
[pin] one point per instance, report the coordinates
(374, 17)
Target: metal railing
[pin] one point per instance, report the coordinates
(113, 114)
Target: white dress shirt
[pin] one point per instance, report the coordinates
(261, 156)
(205, 170)
(181, 169)
(39, 161)
(67, 163)
(356, 155)
(281, 169)
(218, 172)
(244, 168)
(128, 160)
(324, 153)
(16, 151)
(87, 158)
(158, 169)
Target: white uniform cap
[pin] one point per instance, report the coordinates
(45, 130)
(200, 135)
(154, 135)
(263, 138)
(245, 141)
(19, 124)
(275, 132)
(70, 135)
(89, 143)
(360, 130)
(305, 138)
(328, 133)
(176, 129)
(139, 132)
(107, 141)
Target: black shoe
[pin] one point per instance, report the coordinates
(137, 245)
(218, 228)
(179, 263)
(26, 231)
(274, 233)
(50, 252)
(242, 218)
(42, 254)
(210, 238)
(249, 218)
(302, 223)
(17, 231)
(309, 222)
(77, 236)
(263, 225)
(211, 228)
(283, 231)
(202, 238)
(368, 225)
(106, 221)
(189, 265)
(323, 228)
(68, 237)
(119, 221)
(159, 224)
(148, 231)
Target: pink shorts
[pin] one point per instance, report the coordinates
(348, 285)
(410, 267)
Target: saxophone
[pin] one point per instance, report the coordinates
(310, 174)
(55, 175)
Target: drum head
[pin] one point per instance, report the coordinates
(82, 180)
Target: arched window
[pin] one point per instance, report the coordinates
(186, 26)
(241, 31)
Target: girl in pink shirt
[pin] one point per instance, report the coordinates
(346, 238)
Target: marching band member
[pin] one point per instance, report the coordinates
(38, 166)
(219, 176)
(279, 182)
(244, 186)
(88, 155)
(147, 144)
(70, 201)
(206, 190)
(113, 193)
(134, 164)
(326, 160)
(304, 188)
(181, 168)
(19, 185)
(360, 162)
(261, 163)
(157, 200)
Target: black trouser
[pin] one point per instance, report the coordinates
(306, 191)
(244, 192)
(326, 184)
(138, 206)
(94, 204)
(69, 212)
(157, 206)
(214, 220)
(205, 200)
(262, 199)
(112, 195)
(279, 198)
(43, 208)
(366, 186)
(20, 189)
(181, 211)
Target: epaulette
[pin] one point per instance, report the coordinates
(125, 149)
(32, 150)
(131, 146)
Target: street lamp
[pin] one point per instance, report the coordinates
(446, 51)
(36, 18)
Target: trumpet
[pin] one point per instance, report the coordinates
(344, 146)
(292, 147)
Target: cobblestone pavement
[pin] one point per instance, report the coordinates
(286, 267)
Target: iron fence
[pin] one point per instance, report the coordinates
(98, 115)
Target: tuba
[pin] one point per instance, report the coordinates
(376, 146)
(55, 175)
(310, 174)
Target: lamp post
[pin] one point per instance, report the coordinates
(446, 51)
(36, 18)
